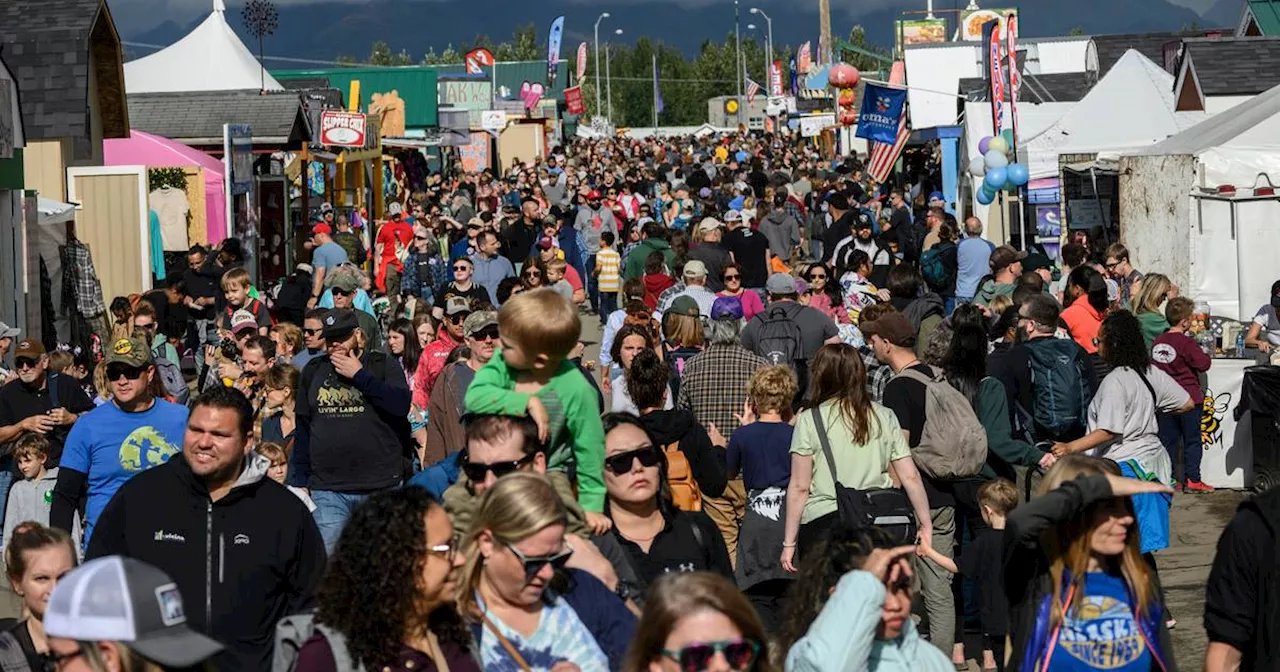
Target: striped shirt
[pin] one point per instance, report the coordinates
(609, 264)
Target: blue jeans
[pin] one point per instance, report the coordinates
(1183, 429)
(593, 289)
(608, 304)
(332, 511)
(815, 248)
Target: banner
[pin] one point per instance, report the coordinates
(775, 78)
(573, 100)
(1015, 77)
(884, 155)
(477, 60)
(919, 31)
(813, 126)
(582, 62)
(973, 22)
(995, 74)
(658, 105)
(553, 49)
(794, 86)
(882, 109)
(804, 59)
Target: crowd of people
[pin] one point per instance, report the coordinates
(830, 427)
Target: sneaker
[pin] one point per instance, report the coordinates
(1196, 486)
(1177, 486)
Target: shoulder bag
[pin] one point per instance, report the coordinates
(886, 508)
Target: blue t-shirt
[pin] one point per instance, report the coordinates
(1103, 634)
(110, 445)
(561, 636)
(328, 256)
(763, 450)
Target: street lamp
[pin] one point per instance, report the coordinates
(737, 58)
(597, 48)
(608, 82)
(769, 23)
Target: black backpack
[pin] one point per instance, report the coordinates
(1060, 393)
(778, 340)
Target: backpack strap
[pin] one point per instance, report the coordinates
(51, 382)
(825, 441)
(1155, 402)
(12, 659)
(338, 645)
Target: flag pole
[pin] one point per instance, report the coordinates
(655, 92)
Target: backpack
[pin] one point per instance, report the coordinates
(684, 490)
(778, 338)
(294, 631)
(953, 444)
(934, 268)
(1059, 390)
(171, 376)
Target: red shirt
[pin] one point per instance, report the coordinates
(1178, 355)
(391, 233)
(430, 364)
(1083, 321)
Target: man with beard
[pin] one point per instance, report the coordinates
(445, 408)
(592, 221)
(521, 236)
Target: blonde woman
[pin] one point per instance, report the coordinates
(288, 340)
(1148, 305)
(526, 607)
(1075, 576)
(698, 621)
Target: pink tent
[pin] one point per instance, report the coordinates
(153, 151)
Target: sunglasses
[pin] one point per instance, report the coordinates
(486, 334)
(21, 363)
(818, 276)
(735, 276)
(420, 238)
(739, 653)
(462, 267)
(342, 292)
(532, 274)
(534, 564)
(621, 463)
(114, 371)
(477, 471)
(148, 327)
(310, 332)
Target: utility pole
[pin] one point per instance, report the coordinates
(768, 65)
(824, 30)
(737, 61)
(597, 48)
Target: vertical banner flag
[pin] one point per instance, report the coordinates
(478, 59)
(883, 154)
(573, 100)
(1015, 77)
(582, 63)
(995, 74)
(794, 86)
(752, 90)
(553, 49)
(657, 91)
(775, 78)
(881, 112)
(804, 59)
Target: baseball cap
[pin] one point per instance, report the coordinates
(395, 209)
(304, 267)
(545, 244)
(243, 319)
(709, 224)
(1035, 262)
(695, 269)
(339, 323)
(1003, 256)
(131, 351)
(326, 207)
(456, 305)
(704, 192)
(29, 349)
(727, 307)
(733, 216)
(321, 228)
(346, 283)
(594, 194)
(893, 327)
(125, 600)
(684, 305)
(7, 331)
(781, 284)
(477, 321)
(936, 196)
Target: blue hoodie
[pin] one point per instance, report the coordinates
(843, 636)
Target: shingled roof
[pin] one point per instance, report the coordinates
(1234, 66)
(51, 45)
(196, 118)
(1152, 45)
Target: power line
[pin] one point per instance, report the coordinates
(664, 80)
(286, 59)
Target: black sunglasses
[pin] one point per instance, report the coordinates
(534, 564)
(733, 276)
(739, 653)
(476, 471)
(310, 332)
(342, 292)
(461, 267)
(421, 238)
(487, 334)
(117, 369)
(621, 463)
(21, 363)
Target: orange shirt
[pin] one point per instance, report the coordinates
(1083, 321)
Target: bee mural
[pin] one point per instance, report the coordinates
(1214, 410)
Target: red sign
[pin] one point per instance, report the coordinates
(478, 58)
(775, 78)
(573, 100)
(342, 129)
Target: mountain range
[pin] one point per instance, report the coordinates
(325, 30)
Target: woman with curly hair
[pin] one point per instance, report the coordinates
(850, 608)
(698, 621)
(389, 590)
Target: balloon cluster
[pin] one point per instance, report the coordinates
(993, 166)
(845, 78)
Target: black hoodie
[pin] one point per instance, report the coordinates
(241, 563)
(706, 461)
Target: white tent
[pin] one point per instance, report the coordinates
(1233, 146)
(209, 58)
(1129, 108)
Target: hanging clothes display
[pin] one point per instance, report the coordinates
(171, 207)
(157, 246)
(82, 300)
(47, 325)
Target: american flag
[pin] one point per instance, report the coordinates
(884, 155)
(752, 90)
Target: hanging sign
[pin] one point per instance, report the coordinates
(477, 59)
(342, 129)
(573, 100)
(881, 113)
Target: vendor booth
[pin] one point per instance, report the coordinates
(208, 224)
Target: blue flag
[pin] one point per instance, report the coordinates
(882, 109)
(553, 49)
(658, 106)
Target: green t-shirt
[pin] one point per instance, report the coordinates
(991, 289)
(859, 466)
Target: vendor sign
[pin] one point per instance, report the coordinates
(573, 100)
(342, 129)
(881, 113)
(812, 126)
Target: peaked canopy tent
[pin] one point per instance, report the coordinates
(209, 58)
(1131, 107)
(153, 151)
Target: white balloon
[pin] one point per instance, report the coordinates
(978, 166)
(995, 159)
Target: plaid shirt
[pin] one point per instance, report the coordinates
(714, 384)
(77, 262)
(878, 374)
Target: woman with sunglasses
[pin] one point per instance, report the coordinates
(731, 276)
(650, 537)
(698, 621)
(533, 274)
(526, 609)
(388, 595)
(850, 608)
(824, 293)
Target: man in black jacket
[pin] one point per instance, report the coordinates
(1242, 597)
(242, 548)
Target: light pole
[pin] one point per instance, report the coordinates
(737, 61)
(768, 69)
(608, 82)
(597, 47)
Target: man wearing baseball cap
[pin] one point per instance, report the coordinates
(394, 235)
(592, 221)
(326, 255)
(695, 288)
(712, 252)
(815, 328)
(444, 409)
(129, 434)
(38, 401)
(1006, 266)
(7, 334)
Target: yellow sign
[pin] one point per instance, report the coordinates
(731, 106)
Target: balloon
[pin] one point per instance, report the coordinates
(985, 198)
(998, 144)
(1018, 174)
(977, 167)
(1011, 187)
(996, 178)
(984, 145)
(1007, 134)
(995, 159)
